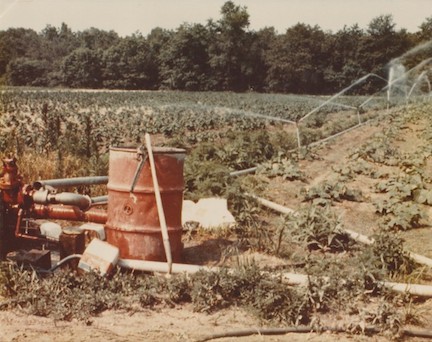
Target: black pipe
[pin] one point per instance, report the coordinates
(99, 200)
(307, 329)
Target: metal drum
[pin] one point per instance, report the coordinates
(133, 222)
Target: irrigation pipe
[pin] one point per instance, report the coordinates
(293, 279)
(253, 169)
(353, 235)
(159, 205)
(360, 80)
(307, 329)
(160, 267)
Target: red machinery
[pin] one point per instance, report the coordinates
(131, 217)
(21, 202)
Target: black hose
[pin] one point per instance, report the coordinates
(62, 261)
(306, 329)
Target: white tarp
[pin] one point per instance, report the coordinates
(208, 212)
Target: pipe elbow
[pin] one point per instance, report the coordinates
(69, 198)
(66, 198)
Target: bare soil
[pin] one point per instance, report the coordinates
(182, 323)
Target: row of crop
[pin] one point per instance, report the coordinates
(87, 123)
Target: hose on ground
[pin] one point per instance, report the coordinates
(306, 329)
(61, 262)
(64, 260)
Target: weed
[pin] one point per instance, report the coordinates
(281, 166)
(387, 255)
(328, 191)
(318, 228)
(64, 295)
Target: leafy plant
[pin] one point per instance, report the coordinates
(281, 166)
(388, 254)
(329, 191)
(318, 228)
(378, 150)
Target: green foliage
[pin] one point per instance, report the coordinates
(378, 150)
(398, 210)
(222, 55)
(25, 71)
(352, 169)
(399, 216)
(387, 255)
(185, 59)
(82, 69)
(250, 228)
(65, 296)
(332, 284)
(318, 228)
(205, 179)
(328, 191)
(281, 166)
(386, 317)
(246, 149)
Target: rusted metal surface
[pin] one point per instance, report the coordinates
(72, 241)
(70, 213)
(11, 196)
(11, 182)
(133, 222)
(10, 179)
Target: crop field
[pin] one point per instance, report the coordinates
(374, 180)
(85, 124)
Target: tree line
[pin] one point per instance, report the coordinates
(223, 55)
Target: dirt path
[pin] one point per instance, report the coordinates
(161, 325)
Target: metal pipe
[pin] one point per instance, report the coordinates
(353, 235)
(70, 213)
(159, 205)
(24, 236)
(289, 278)
(70, 182)
(159, 266)
(99, 200)
(243, 172)
(67, 198)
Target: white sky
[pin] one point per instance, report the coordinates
(129, 16)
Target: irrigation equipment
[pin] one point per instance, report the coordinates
(143, 218)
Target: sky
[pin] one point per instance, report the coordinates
(131, 16)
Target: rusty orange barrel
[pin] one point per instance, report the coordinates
(132, 216)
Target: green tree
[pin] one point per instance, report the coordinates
(25, 71)
(256, 63)
(95, 39)
(57, 43)
(185, 59)
(128, 64)
(229, 48)
(297, 60)
(16, 43)
(381, 45)
(157, 39)
(82, 69)
(344, 61)
(425, 33)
